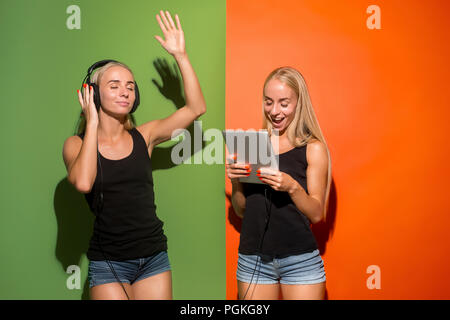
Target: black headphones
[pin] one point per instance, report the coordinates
(87, 80)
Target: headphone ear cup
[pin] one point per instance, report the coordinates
(137, 98)
(96, 95)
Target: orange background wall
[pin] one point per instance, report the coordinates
(381, 97)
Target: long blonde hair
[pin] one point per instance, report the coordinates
(95, 78)
(304, 128)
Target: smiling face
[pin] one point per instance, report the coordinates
(117, 93)
(280, 101)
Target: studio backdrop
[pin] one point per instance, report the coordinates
(377, 72)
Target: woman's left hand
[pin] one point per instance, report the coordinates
(174, 36)
(278, 180)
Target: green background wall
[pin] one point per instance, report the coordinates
(45, 224)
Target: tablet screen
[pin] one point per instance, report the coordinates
(253, 147)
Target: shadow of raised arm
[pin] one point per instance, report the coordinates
(171, 87)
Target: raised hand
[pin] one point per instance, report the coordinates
(86, 99)
(173, 40)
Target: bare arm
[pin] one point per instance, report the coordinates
(312, 204)
(161, 130)
(238, 198)
(80, 156)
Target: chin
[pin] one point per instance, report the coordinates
(281, 129)
(118, 113)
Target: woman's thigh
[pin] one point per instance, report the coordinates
(156, 287)
(303, 291)
(111, 291)
(255, 291)
(302, 276)
(154, 279)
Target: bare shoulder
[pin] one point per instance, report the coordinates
(72, 141)
(146, 129)
(316, 152)
(71, 149)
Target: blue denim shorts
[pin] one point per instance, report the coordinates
(128, 271)
(306, 268)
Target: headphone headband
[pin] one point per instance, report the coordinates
(98, 64)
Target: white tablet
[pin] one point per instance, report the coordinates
(252, 147)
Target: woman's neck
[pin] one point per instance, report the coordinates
(111, 129)
(280, 143)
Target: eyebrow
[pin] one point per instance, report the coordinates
(266, 97)
(119, 81)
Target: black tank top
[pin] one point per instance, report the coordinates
(288, 229)
(127, 227)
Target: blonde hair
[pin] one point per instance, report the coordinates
(304, 128)
(96, 78)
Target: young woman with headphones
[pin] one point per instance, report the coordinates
(110, 162)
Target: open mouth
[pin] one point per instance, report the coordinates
(277, 122)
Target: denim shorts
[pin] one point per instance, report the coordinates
(306, 268)
(128, 271)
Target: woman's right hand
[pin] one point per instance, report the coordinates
(237, 170)
(89, 110)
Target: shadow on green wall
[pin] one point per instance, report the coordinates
(75, 224)
(74, 219)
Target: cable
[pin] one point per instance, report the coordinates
(258, 258)
(99, 209)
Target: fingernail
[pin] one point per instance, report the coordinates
(258, 174)
(258, 171)
(90, 87)
(78, 91)
(84, 85)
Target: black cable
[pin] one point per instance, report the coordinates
(99, 209)
(258, 258)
